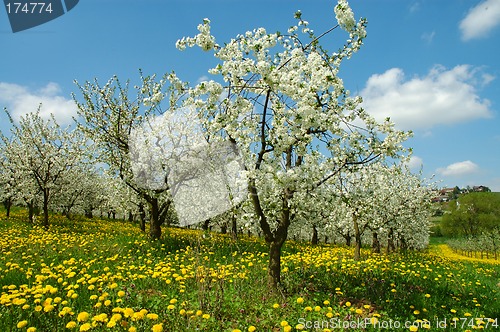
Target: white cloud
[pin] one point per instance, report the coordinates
(459, 168)
(20, 100)
(415, 163)
(441, 97)
(480, 20)
(203, 78)
(428, 37)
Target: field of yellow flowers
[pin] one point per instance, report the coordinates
(99, 275)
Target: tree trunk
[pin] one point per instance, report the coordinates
(7, 203)
(88, 213)
(315, 240)
(375, 243)
(31, 212)
(205, 225)
(274, 267)
(142, 217)
(154, 224)
(130, 216)
(347, 238)
(390, 241)
(234, 228)
(223, 229)
(46, 208)
(357, 237)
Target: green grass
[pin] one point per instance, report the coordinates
(188, 274)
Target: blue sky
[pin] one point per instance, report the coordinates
(432, 66)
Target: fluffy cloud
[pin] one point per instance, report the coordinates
(415, 163)
(20, 100)
(458, 169)
(480, 20)
(441, 97)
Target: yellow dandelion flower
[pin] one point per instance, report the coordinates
(300, 300)
(83, 316)
(157, 328)
(251, 328)
(152, 316)
(284, 323)
(85, 327)
(71, 325)
(22, 324)
(276, 306)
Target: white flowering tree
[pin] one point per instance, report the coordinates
(286, 109)
(42, 154)
(388, 203)
(16, 183)
(109, 114)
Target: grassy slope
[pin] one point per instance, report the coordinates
(192, 280)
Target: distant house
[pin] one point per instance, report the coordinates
(480, 189)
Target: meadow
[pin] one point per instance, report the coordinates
(100, 275)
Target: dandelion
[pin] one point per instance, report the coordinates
(205, 316)
(300, 300)
(171, 307)
(251, 328)
(348, 304)
(71, 325)
(31, 329)
(299, 327)
(152, 316)
(284, 323)
(157, 328)
(22, 324)
(83, 316)
(85, 327)
(413, 328)
(276, 306)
